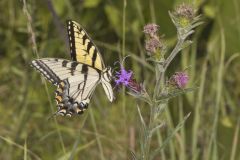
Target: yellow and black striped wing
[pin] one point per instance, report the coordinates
(75, 82)
(82, 48)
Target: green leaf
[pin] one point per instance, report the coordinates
(210, 11)
(175, 93)
(141, 118)
(24, 148)
(59, 6)
(91, 3)
(114, 17)
(157, 127)
(67, 155)
(178, 127)
(17, 71)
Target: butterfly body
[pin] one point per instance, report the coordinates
(76, 80)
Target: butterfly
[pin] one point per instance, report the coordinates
(76, 79)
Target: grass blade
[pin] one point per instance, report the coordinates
(235, 141)
(178, 127)
(9, 141)
(25, 150)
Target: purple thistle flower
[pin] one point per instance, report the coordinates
(185, 10)
(151, 29)
(180, 79)
(123, 77)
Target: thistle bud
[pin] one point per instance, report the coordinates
(152, 45)
(151, 29)
(184, 14)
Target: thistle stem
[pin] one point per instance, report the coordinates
(173, 54)
(160, 72)
(153, 107)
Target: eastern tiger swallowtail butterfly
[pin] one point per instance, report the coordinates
(77, 79)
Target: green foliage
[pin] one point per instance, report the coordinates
(114, 18)
(91, 4)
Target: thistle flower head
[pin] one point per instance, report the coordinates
(184, 14)
(123, 77)
(152, 45)
(179, 79)
(150, 29)
(185, 10)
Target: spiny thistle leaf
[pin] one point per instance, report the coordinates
(175, 93)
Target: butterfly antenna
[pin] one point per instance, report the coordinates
(120, 63)
(124, 58)
(116, 63)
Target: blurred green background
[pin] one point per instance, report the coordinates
(110, 130)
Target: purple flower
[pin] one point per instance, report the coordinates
(180, 79)
(123, 77)
(151, 29)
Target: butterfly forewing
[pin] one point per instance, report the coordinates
(82, 48)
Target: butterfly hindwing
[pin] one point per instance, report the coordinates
(73, 98)
(75, 82)
(82, 48)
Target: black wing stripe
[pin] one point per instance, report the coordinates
(54, 76)
(64, 63)
(85, 71)
(84, 39)
(45, 71)
(89, 46)
(94, 57)
(71, 39)
(73, 67)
